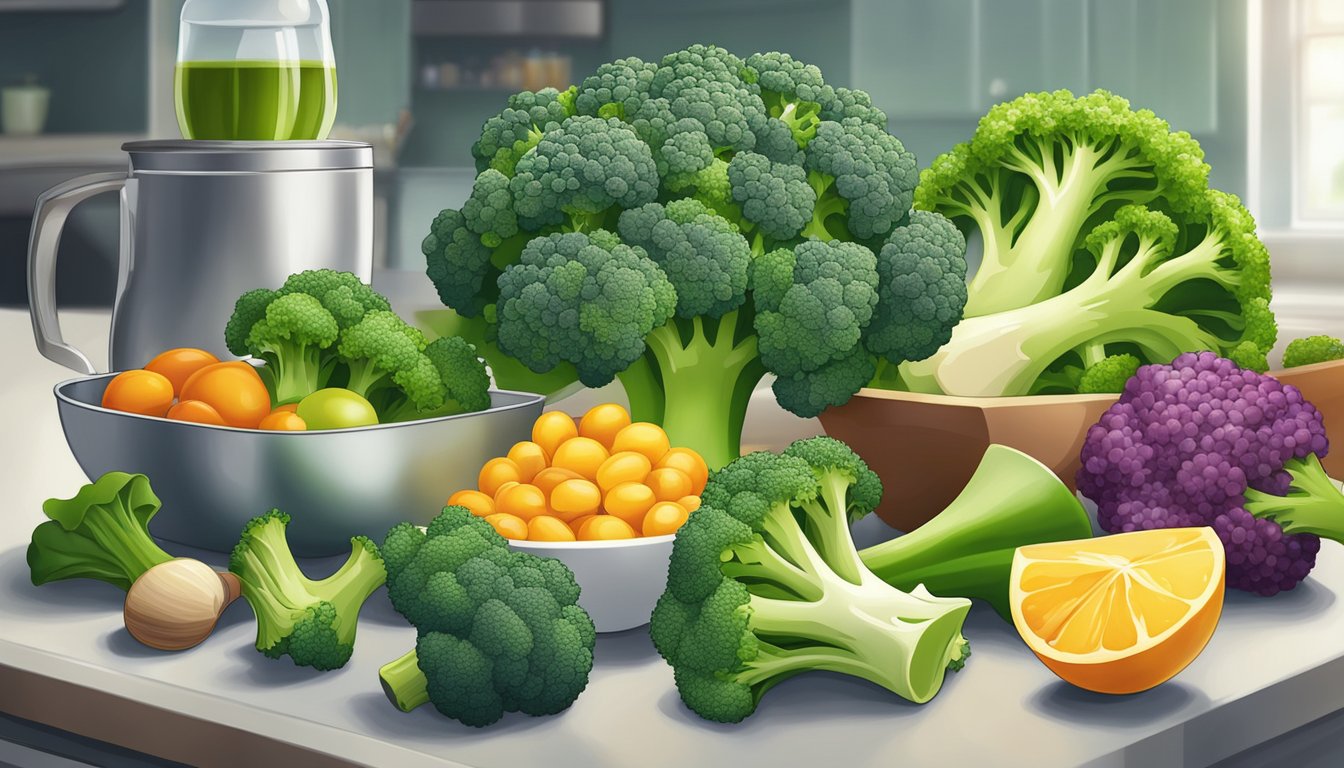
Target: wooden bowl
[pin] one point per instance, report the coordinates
(925, 447)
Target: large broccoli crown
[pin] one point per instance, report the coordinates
(1310, 350)
(703, 255)
(509, 135)
(313, 622)
(101, 533)
(1188, 443)
(764, 583)
(499, 631)
(588, 299)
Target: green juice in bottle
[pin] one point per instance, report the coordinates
(255, 100)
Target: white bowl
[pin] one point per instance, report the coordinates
(620, 581)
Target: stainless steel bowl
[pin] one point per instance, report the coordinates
(333, 483)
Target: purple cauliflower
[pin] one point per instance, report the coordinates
(1203, 442)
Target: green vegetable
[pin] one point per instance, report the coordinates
(764, 583)
(1101, 238)
(1012, 500)
(336, 408)
(1108, 374)
(102, 533)
(688, 226)
(1311, 350)
(313, 622)
(325, 329)
(497, 630)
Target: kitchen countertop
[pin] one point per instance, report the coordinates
(65, 660)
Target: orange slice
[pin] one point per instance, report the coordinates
(1122, 613)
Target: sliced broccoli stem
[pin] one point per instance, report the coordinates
(404, 683)
(1011, 500)
(1314, 503)
(705, 384)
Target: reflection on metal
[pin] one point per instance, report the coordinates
(507, 18)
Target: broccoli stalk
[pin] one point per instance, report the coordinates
(764, 583)
(967, 550)
(102, 533)
(313, 622)
(1313, 503)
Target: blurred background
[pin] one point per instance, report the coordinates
(1260, 83)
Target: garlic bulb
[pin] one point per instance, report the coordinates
(174, 605)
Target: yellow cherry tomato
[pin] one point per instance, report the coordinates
(235, 389)
(144, 392)
(202, 413)
(553, 428)
(642, 437)
(504, 486)
(605, 528)
(509, 526)
(663, 518)
(529, 457)
(668, 484)
(522, 500)
(479, 503)
(577, 523)
(602, 422)
(580, 454)
(574, 498)
(496, 472)
(688, 461)
(630, 502)
(550, 477)
(286, 408)
(689, 503)
(547, 528)
(280, 421)
(623, 467)
(177, 365)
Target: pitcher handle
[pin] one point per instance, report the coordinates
(53, 208)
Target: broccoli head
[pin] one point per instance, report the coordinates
(102, 533)
(1310, 350)
(1203, 442)
(508, 136)
(1108, 375)
(498, 630)
(764, 583)
(313, 622)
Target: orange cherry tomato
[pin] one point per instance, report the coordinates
(688, 461)
(669, 484)
(623, 467)
(630, 502)
(529, 457)
(234, 389)
(283, 421)
(547, 528)
(606, 528)
(177, 365)
(144, 392)
(550, 477)
(580, 454)
(287, 407)
(480, 504)
(663, 518)
(577, 523)
(553, 428)
(642, 437)
(575, 498)
(496, 472)
(602, 422)
(504, 486)
(521, 500)
(196, 411)
(509, 527)
(689, 503)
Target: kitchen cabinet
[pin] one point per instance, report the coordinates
(955, 58)
(373, 55)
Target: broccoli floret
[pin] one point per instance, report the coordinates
(488, 212)
(764, 583)
(1245, 460)
(509, 135)
(102, 533)
(1310, 350)
(386, 364)
(1159, 284)
(587, 299)
(247, 310)
(1108, 375)
(291, 337)
(863, 177)
(459, 265)
(793, 92)
(774, 196)
(703, 255)
(498, 631)
(344, 295)
(922, 288)
(313, 622)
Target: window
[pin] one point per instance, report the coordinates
(1319, 163)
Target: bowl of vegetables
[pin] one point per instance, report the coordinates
(601, 493)
(344, 416)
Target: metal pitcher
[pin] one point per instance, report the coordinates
(202, 222)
